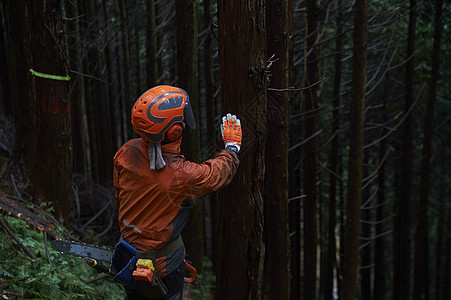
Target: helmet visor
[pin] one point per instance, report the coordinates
(188, 114)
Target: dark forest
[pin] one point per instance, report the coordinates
(343, 188)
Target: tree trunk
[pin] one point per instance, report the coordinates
(40, 105)
(151, 46)
(442, 253)
(5, 106)
(277, 265)
(126, 67)
(187, 58)
(242, 57)
(309, 167)
(212, 127)
(77, 94)
(114, 113)
(137, 61)
(421, 235)
(357, 104)
(333, 163)
(380, 261)
(98, 103)
(403, 210)
(365, 250)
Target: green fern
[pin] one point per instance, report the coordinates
(24, 278)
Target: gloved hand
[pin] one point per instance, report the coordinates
(231, 132)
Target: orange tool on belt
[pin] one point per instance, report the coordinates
(191, 269)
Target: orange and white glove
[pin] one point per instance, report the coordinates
(231, 132)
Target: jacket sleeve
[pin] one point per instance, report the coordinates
(193, 180)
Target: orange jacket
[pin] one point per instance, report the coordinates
(149, 200)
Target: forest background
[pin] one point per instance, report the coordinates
(344, 183)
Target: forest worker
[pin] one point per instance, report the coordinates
(152, 180)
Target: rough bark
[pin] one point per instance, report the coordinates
(277, 265)
(97, 102)
(128, 99)
(151, 46)
(40, 105)
(309, 164)
(5, 106)
(333, 163)
(380, 261)
(242, 58)
(421, 235)
(354, 185)
(403, 239)
(187, 58)
(76, 93)
(212, 129)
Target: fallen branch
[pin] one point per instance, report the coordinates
(8, 231)
(46, 247)
(103, 276)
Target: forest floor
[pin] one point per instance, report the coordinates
(187, 293)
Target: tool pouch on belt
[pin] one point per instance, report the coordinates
(155, 288)
(124, 263)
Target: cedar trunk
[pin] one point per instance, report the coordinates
(277, 265)
(151, 46)
(212, 128)
(76, 95)
(334, 161)
(403, 209)
(127, 99)
(421, 236)
(357, 104)
(309, 167)
(243, 85)
(40, 105)
(186, 15)
(97, 104)
(380, 261)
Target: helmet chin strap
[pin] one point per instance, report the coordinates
(155, 156)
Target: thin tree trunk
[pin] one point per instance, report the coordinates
(187, 58)
(76, 94)
(40, 105)
(277, 271)
(99, 104)
(137, 63)
(421, 235)
(357, 104)
(380, 261)
(5, 106)
(442, 253)
(151, 47)
(403, 211)
(309, 166)
(334, 160)
(212, 137)
(242, 56)
(115, 124)
(365, 251)
(126, 67)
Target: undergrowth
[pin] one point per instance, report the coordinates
(60, 277)
(203, 288)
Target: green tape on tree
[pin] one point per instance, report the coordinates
(49, 76)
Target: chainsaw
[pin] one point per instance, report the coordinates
(95, 256)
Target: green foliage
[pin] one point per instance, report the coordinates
(204, 285)
(24, 278)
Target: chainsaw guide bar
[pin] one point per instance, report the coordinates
(83, 250)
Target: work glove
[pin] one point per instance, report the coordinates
(231, 132)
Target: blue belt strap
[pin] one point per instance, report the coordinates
(129, 247)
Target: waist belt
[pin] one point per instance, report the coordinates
(170, 247)
(157, 253)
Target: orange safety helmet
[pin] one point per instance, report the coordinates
(158, 114)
